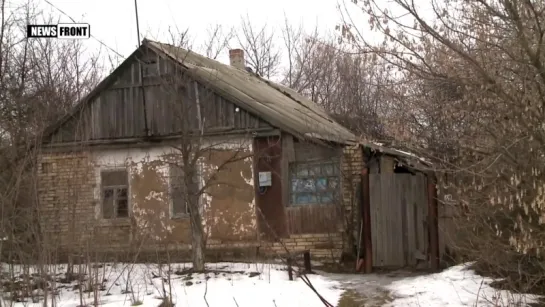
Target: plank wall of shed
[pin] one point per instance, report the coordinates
(399, 211)
(117, 112)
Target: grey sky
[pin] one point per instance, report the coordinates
(113, 21)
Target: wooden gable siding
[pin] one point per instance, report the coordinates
(118, 111)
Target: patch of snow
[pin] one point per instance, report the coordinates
(227, 284)
(456, 286)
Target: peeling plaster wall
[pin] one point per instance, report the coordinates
(228, 203)
(230, 206)
(70, 199)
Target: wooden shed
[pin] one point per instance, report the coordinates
(398, 214)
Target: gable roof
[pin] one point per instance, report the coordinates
(278, 105)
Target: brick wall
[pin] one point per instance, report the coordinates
(68, 211)
(65, 194)
(351, 170)
(323, 247)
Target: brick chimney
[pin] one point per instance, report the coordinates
(236, 58)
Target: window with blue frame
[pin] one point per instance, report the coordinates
(314, 183)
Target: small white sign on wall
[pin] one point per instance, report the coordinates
(265, 179)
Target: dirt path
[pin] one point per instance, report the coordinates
(364, 290)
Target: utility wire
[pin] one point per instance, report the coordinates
(74, 21)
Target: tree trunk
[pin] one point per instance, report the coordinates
(198, 242)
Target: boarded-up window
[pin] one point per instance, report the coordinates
(115, 201)
(314, 183)
(181, 192)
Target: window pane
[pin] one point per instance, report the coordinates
(326, 198)
(108, 204)
(305, 198)
(175, 174)
(178, 201)
(122, 193)
(294, 184)
(302, 171)
(298, 185)
(321, 184)
(122, 208)
(315, 170)
(307, 185)
(301, 198)
(327, 169)
(314, 183)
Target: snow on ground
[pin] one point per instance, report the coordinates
(227, 284)
(456, 286)
(257, 284)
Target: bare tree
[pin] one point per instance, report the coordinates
(475, 84)
(259, 45)
(216, 41)
(349, 85)
(40, 80)
(197, 160)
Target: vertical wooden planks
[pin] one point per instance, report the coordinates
(375, 196)
(398, 218)
(128, 112)
(119, 110)
(396, 230)
(387, 219)
(410, 201)
(402, 213)
(421, 213)
(423, 188)
(312, 219)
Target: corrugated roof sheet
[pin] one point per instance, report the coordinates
(281, 106)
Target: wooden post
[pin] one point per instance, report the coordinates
(366, 218)
(433, 223)
(306, 260)
(290, 269)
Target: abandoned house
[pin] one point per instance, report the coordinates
(271, 169)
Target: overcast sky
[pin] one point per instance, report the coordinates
(113, 21)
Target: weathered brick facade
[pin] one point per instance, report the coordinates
(70, 214)
(67, 209)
